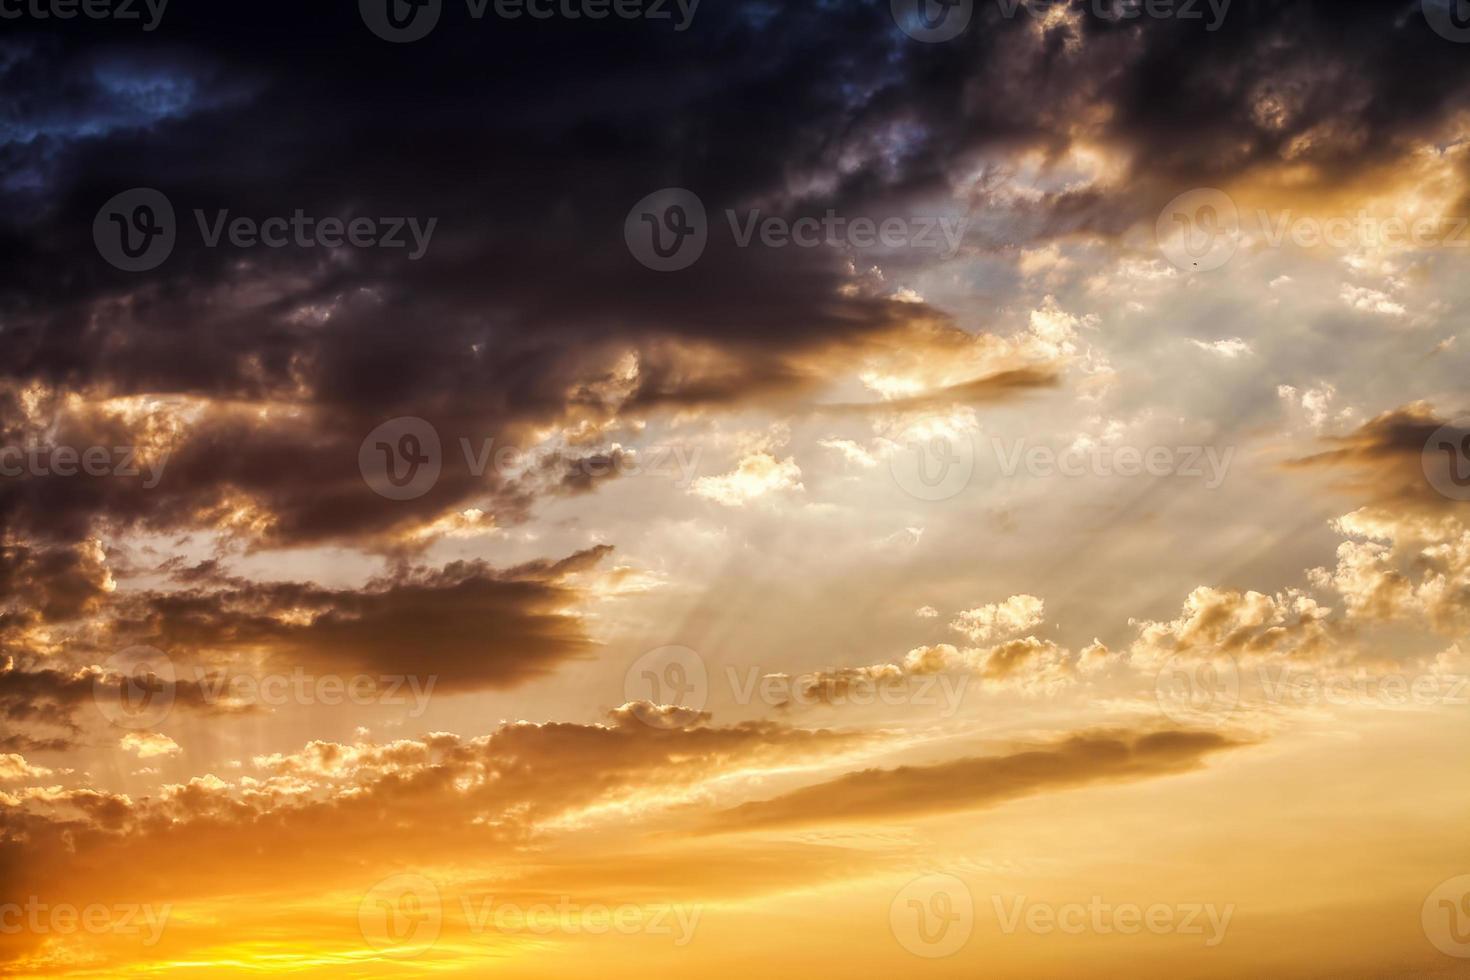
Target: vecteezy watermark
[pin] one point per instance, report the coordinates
(1361, 230)
(65, 919)
(1199, 230)
(935, 21)
(668, 230)
(1202, 229)
(1188, 687)
(1445, 917)
(1204, 919)
(1348, 689)
(1446, 459)
(933, 459)
(1206, 463)
(932, 21)
(404, 914)
(941, 233)
(134, 688)
(138, 687)
(668, 675)
(148, 12)
(1118, 10)
(136, 231)
(328, 690)
(679, 677)
(403, 458)
(932, 916)
(1450, 19)
(35, 459)
(857, 687)
(403, 21)
(575, 918)
(304, 231)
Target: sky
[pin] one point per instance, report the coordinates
(629, 487)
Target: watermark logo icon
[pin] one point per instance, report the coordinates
(135, 688)
(932, 460)
(135, 231)
(1186, 688)
(1446, 459)
(1446, 917)
(402, 914)
(1199, 230)
(400, 21)
(667, 230)
(933, 916)
(1450, 19)
(932, 21)
(401, 459)
(673, 675)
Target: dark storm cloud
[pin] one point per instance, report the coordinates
(528, 141)
(468, 625)
(53, 583)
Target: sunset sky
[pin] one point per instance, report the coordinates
(627, 488)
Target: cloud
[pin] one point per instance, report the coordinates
(666, 716)
(1383, 461)
(256, 437)
(462, 627)
(851, 452)
(35, 693)
(757, 475)
(1028, 665)
(14, 767)
(53, 584)
(315, 815)
(529, 323)
(1225, 622)
(1231, 348)
(1013, 615)
(466, 624)
(1401, 567)
(914, 792)
(149, 745)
